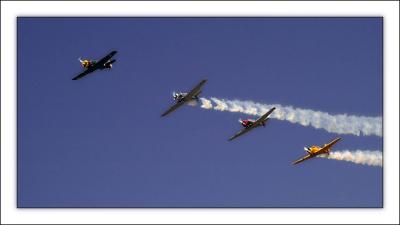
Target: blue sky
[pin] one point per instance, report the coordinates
(100, 141)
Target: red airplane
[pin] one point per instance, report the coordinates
(250, 124)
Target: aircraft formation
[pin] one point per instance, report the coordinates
(182, 98)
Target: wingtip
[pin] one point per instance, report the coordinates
(337, 139)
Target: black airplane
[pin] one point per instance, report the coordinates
(93, 65)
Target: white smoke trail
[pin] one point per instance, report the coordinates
(370, 158)
(340, 124)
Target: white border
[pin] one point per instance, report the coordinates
(10, 214)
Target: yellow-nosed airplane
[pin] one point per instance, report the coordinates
(93, 65)
(316, 150)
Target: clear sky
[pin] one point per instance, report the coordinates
(100, 141)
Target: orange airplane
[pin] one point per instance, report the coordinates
(316, 150)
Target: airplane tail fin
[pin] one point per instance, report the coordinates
(196, 97)
(109, 64)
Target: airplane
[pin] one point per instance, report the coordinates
(182, 98)
(250, 124)
(93, 65)
(316, 150)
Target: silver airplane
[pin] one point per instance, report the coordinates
(182, 98)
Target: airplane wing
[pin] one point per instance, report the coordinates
(84, 73)
(302, 159)
(333, 142)
(263, 117)
(173, 108)
(329, 145)
(243, 131)
(196, 90)
(105, 59)
(96, 66)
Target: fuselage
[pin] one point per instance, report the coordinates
(249, 122)
(86, 63)
(316, 150)
(179, 96)
(246, 123)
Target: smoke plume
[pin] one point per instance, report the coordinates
(370, 158)
(340, 123)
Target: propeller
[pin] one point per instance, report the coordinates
(175, 95)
